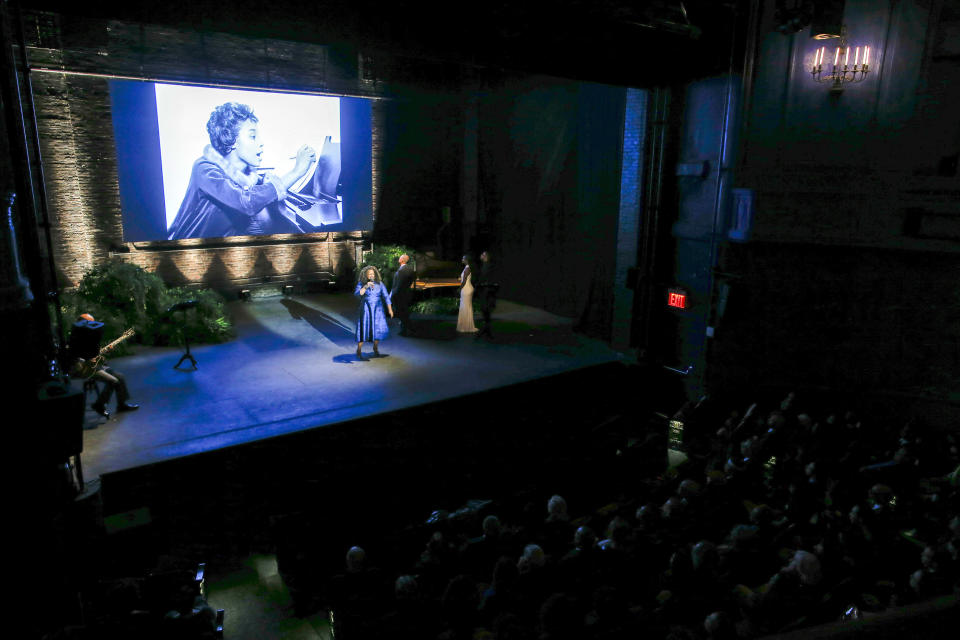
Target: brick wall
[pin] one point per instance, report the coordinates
(222, 266)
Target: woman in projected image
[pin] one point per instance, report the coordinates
(226, 195)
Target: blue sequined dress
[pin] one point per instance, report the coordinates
(372, 319)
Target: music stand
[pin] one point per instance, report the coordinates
(183, 307)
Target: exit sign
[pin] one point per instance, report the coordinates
(677, 298)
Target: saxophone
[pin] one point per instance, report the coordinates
(87, 368)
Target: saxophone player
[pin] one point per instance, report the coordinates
(86, 359)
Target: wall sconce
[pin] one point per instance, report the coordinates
(841, 72)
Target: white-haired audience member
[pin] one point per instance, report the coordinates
(557, 529)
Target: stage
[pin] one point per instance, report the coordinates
(292, 367)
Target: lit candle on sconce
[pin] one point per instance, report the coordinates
(841, 75)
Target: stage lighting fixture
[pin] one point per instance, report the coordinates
(287, 289)
(244, 294)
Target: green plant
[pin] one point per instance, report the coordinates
(123, 295)
(124, 291)
(384, 258)
(206, 322)
(437, 306)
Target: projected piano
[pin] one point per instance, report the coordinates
(316, 202)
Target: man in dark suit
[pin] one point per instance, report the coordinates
(486, 295)
(402, 293)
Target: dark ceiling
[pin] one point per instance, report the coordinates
(614, 41)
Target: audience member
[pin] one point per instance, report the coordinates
(412, 615)
(503, 594)
(480, 553)
(578, 569)
(556, 529)
(356, 593)
(458, 608)
(437, 565)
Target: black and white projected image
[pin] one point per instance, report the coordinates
(248, 163)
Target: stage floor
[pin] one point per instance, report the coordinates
(293, 366)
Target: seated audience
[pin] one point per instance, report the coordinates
(809, 517)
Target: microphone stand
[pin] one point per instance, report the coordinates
(182, 307)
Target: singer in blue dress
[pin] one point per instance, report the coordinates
(371, 320)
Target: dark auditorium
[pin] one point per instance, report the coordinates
(513, 320)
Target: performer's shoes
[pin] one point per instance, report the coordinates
(127, 406)
(376, 352)
(360, 355)
(100, 409)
